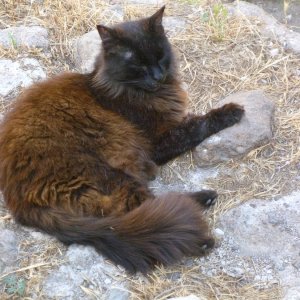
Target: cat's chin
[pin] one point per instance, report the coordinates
(150, 89)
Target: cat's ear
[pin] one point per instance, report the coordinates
(155, 21)
(106, 33)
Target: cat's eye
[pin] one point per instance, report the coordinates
(163, 62)
(143, 70)
(128, 55)
(160, 53)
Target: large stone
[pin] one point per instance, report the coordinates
(174, 25)
(22, 73)
(270, 27)
(254, 130)
(116, 13)
(34, 36)
(8, 248)
(87, 48)
(262, 228)
(84, 270)
(117, 294)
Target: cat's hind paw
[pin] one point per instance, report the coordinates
(207, 245)
(205, 198)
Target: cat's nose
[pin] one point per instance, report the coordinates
(157, 74)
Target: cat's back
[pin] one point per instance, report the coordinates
(57, 121)
(68, 90)
(33, 117)
(55, 131)
(48, 109)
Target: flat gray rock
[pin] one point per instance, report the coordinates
(85, 271)
(269, 229)
(254, 130)
(116, 13)
(270, 27)
(87, 48)
(117, 294)
(34, 36)
(174, 25)
(8, 249)
(19, 74)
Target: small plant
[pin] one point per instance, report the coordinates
(217, 19)
(286, 4)
(14, 285)
(13, 41)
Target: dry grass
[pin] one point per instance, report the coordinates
(218, 55)
(164, 285)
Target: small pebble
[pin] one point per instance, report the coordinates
(274, 52)
(219, 233)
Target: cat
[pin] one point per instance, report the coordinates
(78, 150)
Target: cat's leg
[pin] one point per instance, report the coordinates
(144, 169)
(93, 188)
(134, 193)
(124, 198)
(131, 157)
(191, 132)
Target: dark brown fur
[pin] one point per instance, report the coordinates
(78, 150)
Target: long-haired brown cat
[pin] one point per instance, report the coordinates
(78, 150)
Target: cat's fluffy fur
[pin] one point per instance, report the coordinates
(77, 152)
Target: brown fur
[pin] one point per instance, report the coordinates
(77, 152)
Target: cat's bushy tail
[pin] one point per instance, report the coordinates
(159, 231)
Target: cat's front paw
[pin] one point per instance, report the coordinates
(227, 115)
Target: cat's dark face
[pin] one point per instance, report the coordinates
(137, 53)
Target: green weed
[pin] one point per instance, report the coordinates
(217, 19)
(14, 285)
(13, 41)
